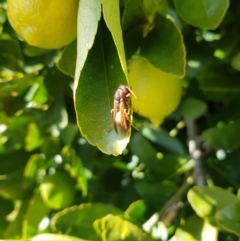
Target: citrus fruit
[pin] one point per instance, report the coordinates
(158, 93)
(48, 24)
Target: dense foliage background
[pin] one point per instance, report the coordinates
(177, 181)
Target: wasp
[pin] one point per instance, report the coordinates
(122, 110)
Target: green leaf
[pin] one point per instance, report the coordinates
(57, 190)
(192, 108)
(34, 137)
(161, 137)
(207, 201)
(54, 237)
(228, 218)
(70, 219)
(67, 63)
(36, 211)
(8, 163)
(223, 137)
(195, 229)
(16, 187)
(133, 14)
(114, 228)
(205, 14)
(99, 80)
(136, 210)
(75, 168)
(10, 55)
(164, 47)
(111, 14)
(89, 12)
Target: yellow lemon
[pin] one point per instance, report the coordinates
(48, 24)
(158, 93)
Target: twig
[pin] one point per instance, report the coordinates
(173, 200)
(194, 145)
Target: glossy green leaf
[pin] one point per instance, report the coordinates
(75, 168)
(70, 219)
(207, 201)
(161, 137)
(32, 165)
(114, 228)
(228, 218)
(192, 108)
(99, 80)
(54, 237)
(36, 211)
(89, 12)
(196, 229)
(67, 63)
(205, 14)
(57, 190)
(164, 47)
(111, 14)
(224, 137)
(136, 210)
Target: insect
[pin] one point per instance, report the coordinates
(122, 110)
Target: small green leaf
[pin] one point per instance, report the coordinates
(192, 108)
(111, 16)
(99, 80)
(164, 47)
(67, 63)
(136, 210)
(70, 219)
(205, 14)
(36, 211)
(225, 137)
(75, 168)
(89, 13)
(207, 201)
(228, 218)
(114, 228)
(34, 137)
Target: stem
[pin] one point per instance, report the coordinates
(194, 145)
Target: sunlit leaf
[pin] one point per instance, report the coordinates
(89, 12)
(228, 218)
(99, 80)
(195, 229)
(207, 201)
(70, 219)
(114, 228)
(111, 15)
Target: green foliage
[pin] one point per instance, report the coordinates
(65, 174)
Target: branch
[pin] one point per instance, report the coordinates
(194, 145)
